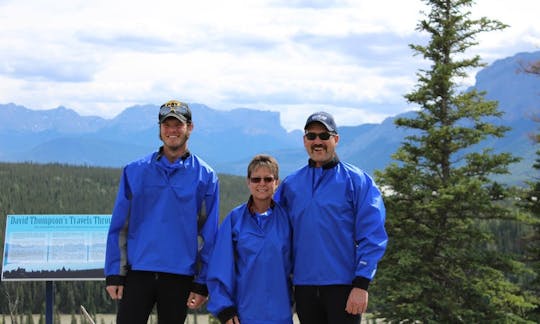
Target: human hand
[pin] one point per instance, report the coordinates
(115, 291)
(195, 300)
(357, 301)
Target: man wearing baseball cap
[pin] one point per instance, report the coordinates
(337, 215)
(165, 202)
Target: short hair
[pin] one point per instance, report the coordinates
(263, 160)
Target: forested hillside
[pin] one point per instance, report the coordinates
(28, 188)
(61, 189)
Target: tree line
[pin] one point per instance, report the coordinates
(29, 188)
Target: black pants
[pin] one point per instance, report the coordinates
(323, 304)
(143, 290)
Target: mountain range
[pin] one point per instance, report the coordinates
(227, 140)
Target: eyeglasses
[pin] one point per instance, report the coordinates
(258, 179)
(323, 136)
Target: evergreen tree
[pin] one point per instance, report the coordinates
(531, 203)
(441, 266)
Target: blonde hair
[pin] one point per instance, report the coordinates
(263, 160)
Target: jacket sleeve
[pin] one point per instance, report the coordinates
(280, 195)
(370, 233)
(116, 250)
(208, 230)
(221, 272)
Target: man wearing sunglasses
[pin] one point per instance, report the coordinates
(163, 227)
(337, 214)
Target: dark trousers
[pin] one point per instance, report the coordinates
(143, 290)
(323, 304)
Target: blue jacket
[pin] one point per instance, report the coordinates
(337, 214)
(160, 211)
(249, 271)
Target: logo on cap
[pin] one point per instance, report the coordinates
(324, 118)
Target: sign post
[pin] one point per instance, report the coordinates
(49, 302)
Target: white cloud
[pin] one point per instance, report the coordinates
(346, 56)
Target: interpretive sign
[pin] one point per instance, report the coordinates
(54, 247)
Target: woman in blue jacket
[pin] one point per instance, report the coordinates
(249, 270)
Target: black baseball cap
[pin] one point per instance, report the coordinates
(176, 109)
(324, 118)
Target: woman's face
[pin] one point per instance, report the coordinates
(262, 184)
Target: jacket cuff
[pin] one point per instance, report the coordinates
(361, 282)
(115, 280)
(199, 289)
(227, 314)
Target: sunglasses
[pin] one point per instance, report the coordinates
(323, 136)
(258, 179)
(179, 108)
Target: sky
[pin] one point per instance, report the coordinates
(348, 57)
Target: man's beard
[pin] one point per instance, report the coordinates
(182, 144)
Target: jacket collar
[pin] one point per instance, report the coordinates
(160, 154)
(328, 165)
(250, 205)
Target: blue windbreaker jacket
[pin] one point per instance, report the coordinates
(337, 215)
(154, 225)
(249, 271)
